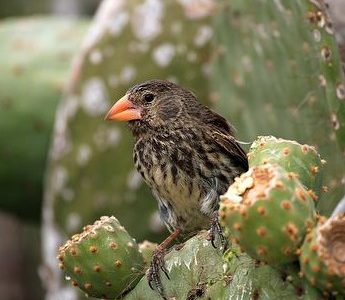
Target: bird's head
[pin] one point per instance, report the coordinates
(151, 106)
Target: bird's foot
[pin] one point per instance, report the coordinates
(216, 230)
(158, 264)
(153, 273)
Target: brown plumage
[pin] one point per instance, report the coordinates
(185, 152)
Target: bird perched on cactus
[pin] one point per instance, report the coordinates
(185, 152)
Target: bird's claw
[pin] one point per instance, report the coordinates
(153, 274)
(216, 230)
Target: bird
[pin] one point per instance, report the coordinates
(185, 152)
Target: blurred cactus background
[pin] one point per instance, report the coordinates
(273, 68)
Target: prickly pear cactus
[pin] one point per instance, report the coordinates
(269, 79)
(303, 160)
(103, 260)
(282, 208)
(322, 257)
(196, 269)
(91, 172)
(34, 69)
(267, 211)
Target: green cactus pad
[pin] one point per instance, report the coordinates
(322, 256)
(103, 260)
(325, 21)
(190, 267)
(199, 271)
(267, 211)
(303, 160)
(272, 81)
(34, 70)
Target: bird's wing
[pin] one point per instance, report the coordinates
(215, 121)
(205, 116)
(221, 131)
(229, 143)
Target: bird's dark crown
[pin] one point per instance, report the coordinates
(157, 85)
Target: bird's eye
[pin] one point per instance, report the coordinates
(149, 98)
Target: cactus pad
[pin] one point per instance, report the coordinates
(303, 160)
(267, 211)
(274, 82)
(34, 68)
(323, 255)
(199, 271)
(103, 260)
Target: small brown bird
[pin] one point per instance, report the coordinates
(185, 152)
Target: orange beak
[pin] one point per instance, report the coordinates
(123, 110)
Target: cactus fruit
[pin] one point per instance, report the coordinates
(268, 212)
(303, 160)
(103, 260)
(322, 257)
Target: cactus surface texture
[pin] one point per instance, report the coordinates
(271, 78)
(199, 271)
(327, 22)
